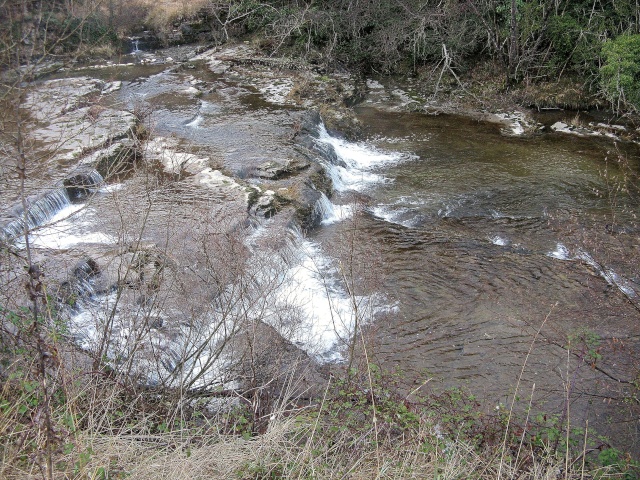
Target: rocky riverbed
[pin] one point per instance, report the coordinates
(168, 196)
(146, 220)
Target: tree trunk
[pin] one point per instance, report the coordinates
(513, 43)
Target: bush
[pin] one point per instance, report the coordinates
(620, 72)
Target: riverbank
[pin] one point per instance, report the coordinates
(478, 94)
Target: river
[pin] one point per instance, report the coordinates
(485, 243)
(471, 259)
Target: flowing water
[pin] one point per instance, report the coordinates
(455, 245)
(480, 241)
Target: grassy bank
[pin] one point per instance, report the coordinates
(552, 54)
(102, 427)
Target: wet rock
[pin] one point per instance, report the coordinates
(137, 266)
(67, 120)
(173, 161)
(275, 170)
(560, 127)
(265, 205)
(307, 137)
(321, 181)
(55, 98)
(156, 322)
(78, 285)
(277, 364)
(516, 124)
(307, 216)
(587, 131)
(309, 124)
(86, 268)
(32, 72)
(111, 87)
(85, 129)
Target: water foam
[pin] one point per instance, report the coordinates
(329, 313)
(499, 241)
(331, 213)
(71, 226)
(197, 120)
(356, 162)
(610, 276)
(313, 296)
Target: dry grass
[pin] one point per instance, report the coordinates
(282, 453)
(106, 427)
(161, 15)
(120, 440)
(175, 456)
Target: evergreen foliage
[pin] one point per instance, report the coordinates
(620, 73)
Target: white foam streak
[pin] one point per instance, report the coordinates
(394, 214)
(561, 252)
(351, 179)
(66, 229)
(358, 159)
(112, 188)
(499, 241)
(610, 276)
(195, 122)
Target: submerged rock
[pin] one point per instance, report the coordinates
(516, 124)
(615, 132)
(173, 161)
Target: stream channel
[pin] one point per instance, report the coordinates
(457, 245)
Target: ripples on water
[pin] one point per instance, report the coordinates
(478, 239)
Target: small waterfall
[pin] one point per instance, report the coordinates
(328, 213)
(84, 273)
(135, 45)
(326, 148)
(39, 211)
(350, 164)
(323, 208)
